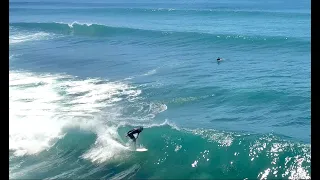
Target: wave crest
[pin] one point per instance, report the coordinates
(91, 29)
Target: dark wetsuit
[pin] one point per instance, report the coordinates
(132, 132)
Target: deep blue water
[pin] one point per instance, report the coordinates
(83, 73)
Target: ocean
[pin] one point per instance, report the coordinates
(83, 73)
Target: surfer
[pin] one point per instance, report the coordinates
(131, 133)
(219, 60)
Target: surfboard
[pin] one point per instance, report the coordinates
(141, 149)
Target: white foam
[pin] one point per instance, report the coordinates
(76, 23)
(24, 37)
(224, 139)
(265, 174)
(151, 72)
(87, 24)
(126, 174)
(150, 125)
(41, 106)
(32, 122)
(106, 146)
(11, 57)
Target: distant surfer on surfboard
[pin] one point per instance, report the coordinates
(131, 133)
(219, 60)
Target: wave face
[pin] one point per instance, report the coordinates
(84, 29)
(82, 74)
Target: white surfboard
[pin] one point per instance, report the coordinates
(141, 149)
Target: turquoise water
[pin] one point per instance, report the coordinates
(82, 74)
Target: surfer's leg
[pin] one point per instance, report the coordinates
(133, 140)
(134, 143)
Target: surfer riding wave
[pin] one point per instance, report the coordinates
(131, 134)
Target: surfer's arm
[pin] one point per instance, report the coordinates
(129, 133)
(138, 132)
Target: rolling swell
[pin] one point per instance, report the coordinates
(185, 5)
(102, 9)
(99, 30)
(182, 154)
